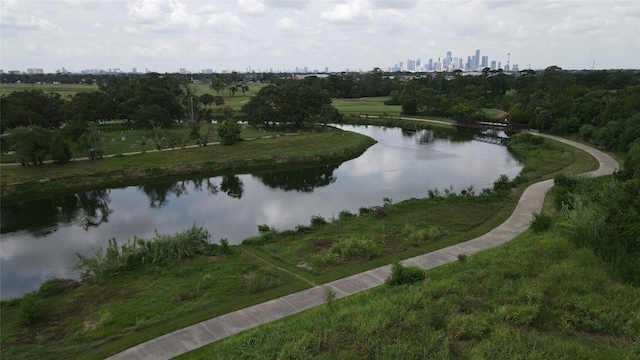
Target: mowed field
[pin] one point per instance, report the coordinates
(368, 106)
(65, 90)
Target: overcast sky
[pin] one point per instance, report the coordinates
(166, 35)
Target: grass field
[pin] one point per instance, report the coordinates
(366, 106)
(65, 90)
(536, 297)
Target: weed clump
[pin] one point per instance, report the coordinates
(401, 274)
(160, 250)
(540, 223)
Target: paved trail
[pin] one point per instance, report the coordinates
(206, 332)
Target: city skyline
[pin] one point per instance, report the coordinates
(447, 63)
(273, 35)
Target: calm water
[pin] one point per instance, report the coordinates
(40, 238)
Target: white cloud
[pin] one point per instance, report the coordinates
(351, 34)
(251, 7)
(287, 24)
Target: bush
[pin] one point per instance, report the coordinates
(30, 309)
(318, 221)
(540, 223)
(365, 210)
(325, 258)
(401, 274)
(160, 250)
(264, 228)
(502, 184)
(345, 215)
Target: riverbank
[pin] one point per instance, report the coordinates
(100, 318)
(331, 146)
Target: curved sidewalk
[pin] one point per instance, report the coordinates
(206, 332)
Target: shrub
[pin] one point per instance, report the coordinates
(540, 223)
(160, 250)
(264, 228)
(502, 184)
(31, 309)
(325, 258)
(224, 246)
(462, 257)
(401, 274)
(365, 210)
(318, 221)
(345, 215)
(353, 248)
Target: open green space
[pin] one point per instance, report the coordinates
(366, 106)
(65, 90)
(537, 297)
(106, 315)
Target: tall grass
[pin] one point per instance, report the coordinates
(162, 249)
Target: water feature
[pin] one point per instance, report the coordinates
(40, 238)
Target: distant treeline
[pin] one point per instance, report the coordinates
(603, 107)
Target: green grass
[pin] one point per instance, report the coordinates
(65, 90)
(125, 310)
(536, 297)
(102, 318)
(368, 106)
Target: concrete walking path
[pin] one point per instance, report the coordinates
(206, 332)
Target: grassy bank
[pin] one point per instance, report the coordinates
(99, 318)
(537, 297)
(309, 148)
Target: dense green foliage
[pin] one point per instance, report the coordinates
(401, 274)
(604, 216)
(160, 250)
(294, 103)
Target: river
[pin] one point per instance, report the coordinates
(39, 239)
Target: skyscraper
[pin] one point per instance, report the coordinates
(477, 62)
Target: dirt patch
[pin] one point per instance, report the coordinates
(214, 258)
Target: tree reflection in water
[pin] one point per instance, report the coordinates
(301, 180)
(44, 216)
(232, 185)
(159, 193)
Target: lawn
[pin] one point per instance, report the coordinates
(368, 106)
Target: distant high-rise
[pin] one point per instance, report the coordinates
(477, 60)
(485, 61)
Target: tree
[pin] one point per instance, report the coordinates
(31, 144)
(229, 131)
(90, 142)
(217, 85)
(60, 151)
(207, 99)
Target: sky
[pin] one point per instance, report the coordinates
(263, 35)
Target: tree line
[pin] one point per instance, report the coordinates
(603, 107)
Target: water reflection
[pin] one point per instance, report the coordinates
(40, 238)
(302, 180)
(233, 186)
(42, 217)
